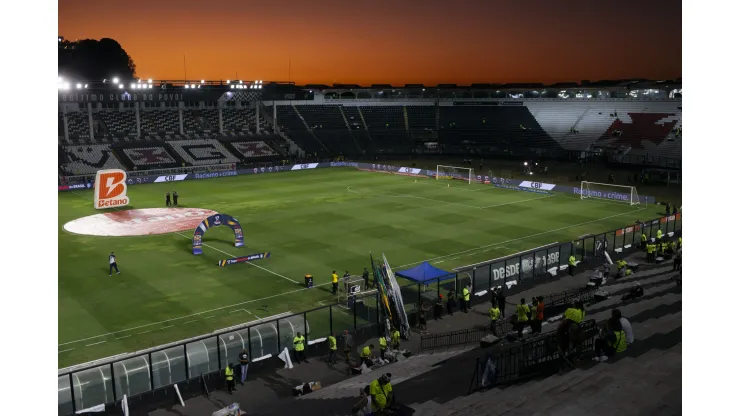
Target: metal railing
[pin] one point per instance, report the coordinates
(555, 304)
(104, 382)
(533, 357)
(522, 271)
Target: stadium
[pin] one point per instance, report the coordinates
(497, 185)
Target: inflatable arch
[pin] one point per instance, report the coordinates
(215, 221)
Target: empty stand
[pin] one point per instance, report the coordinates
(359, 129)
(78, 125)
(511, 126)
(328, 124)
(422, 120)
(115, 123)
(633, 129)
(199, 121)
(202, 151)
(254, 149)
(149, 157)
(159, 121)
(294, 127)
(88, 159)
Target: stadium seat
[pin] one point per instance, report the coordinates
(253, 149)
(202, 152)
(88, 159)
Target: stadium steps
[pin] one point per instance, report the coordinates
(596, 388)
(403, 370)
(346, 123)
(310, 131)
(406, 120)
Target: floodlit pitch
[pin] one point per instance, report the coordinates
(312, 222)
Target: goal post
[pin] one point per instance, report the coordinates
(455, 172)
(610, 192)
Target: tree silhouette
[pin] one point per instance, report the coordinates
(94, 60)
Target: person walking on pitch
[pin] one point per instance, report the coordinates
(174, 198)
(167, 199)
(112, 264)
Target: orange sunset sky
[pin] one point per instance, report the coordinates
(363, 42)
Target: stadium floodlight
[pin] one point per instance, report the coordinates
(525, 163)
(198, 86)
(241, 82)
(85, 86)
(120, 86)
(133, 85)
(187, 85)
(231, 86)
(610, 192)
(228, 81)
(260, 81)
(67, 86)
(149, 80)
(202, 81)
(454, 172)
(260, 87)
(115, 80)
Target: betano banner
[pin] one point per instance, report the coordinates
(110, 189)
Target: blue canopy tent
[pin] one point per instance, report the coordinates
(425, 273)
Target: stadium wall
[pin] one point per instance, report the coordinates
(514, 184)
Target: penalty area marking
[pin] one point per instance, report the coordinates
(249, 263)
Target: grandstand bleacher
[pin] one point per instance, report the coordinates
(202, 152)
(255, 149)
(89, 158)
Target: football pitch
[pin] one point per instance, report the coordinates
(312, 222)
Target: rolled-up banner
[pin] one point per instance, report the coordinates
(243, 259)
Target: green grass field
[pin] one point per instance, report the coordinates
(312, 222)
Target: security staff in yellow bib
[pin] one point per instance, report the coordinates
(659, 235)
(643, 239)
(332, 349)
(572, 265)
(383, 346)
(495, 313)
(367, 355)
(396, 339)
(613, 341)
(466, 299)
(229, 373)
(299, 347)
(381, 393)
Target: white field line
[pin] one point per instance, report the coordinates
(457, 203)
(94, 343)
(517, 202)
(168, 326)
(520, 238)
(248, 262)
(190, 316)
(68, 349)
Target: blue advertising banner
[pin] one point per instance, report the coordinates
(215, 221)
(513, 184)
(243, 259)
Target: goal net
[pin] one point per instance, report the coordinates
(454, 172)
(610, 192)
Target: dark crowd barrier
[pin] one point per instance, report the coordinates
(522, 271)
(536, 356)
(197, 363)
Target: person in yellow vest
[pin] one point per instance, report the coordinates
(522, 316)
(466, 299)
(568, 331)
(383, 346)
(396, 339)
(229, 373)
(381, 393)
(334, 282)
(659, 235)
(572, 265)
(495, 313)
(643, 239)
(650, 252)
(680, 240)
(613, 341)
(332, 348)
(663, 248)
(299, 347)
(367, 355)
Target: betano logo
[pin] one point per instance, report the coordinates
(110, 189)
